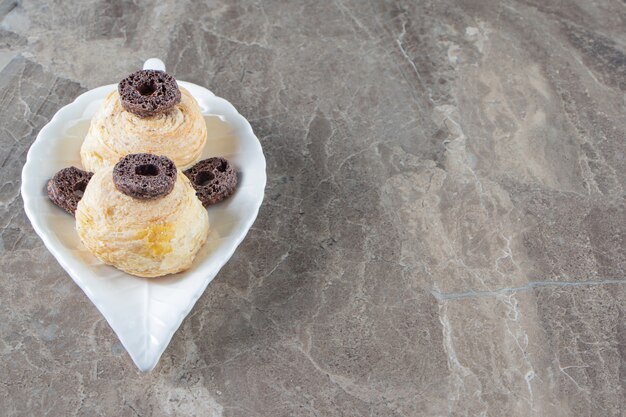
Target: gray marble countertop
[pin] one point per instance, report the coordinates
(444, 227)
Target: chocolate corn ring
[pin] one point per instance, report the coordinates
(144, 176)
(67, 186)
(214, 180)
(148, 93)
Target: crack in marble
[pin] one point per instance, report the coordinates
(445, 296)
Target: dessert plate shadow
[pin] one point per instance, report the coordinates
(144, 313)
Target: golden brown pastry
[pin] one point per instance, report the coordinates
(143, 237)
(179, 133)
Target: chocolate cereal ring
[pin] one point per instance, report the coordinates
(148, 92)
(214, 180)
(144, 176)
(67, 186)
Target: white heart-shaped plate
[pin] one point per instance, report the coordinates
(144, 313)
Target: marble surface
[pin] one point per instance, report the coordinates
(444, 230)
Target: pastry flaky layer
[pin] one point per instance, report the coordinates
(147, 238)
(180, 134)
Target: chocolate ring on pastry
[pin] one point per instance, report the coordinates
(214, 180)
(148, 92)
(144, 176)
(67, 186)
